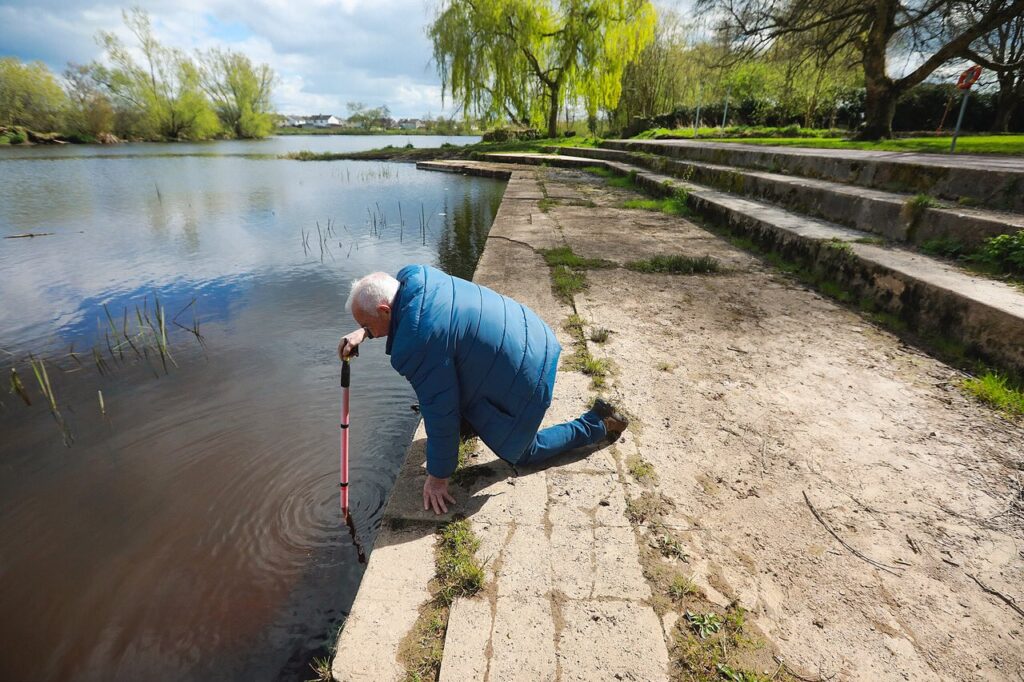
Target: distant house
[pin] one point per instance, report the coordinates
(322, 121)
(294, 121)
(411, 124)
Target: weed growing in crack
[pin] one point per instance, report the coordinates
(581, 360)
(568, 271)
(669, 547)
(681, 587)
(676, 265)
(998, 391)
(599, 335)
(640, 469)
(840, 245)
(915, 206)
(567, 282)
(458, 574)
(565, 256)
(464, 474)
(703, 624)
(671, 206)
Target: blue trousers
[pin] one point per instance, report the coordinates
(554, 440)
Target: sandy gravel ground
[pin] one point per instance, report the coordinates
(760, 402)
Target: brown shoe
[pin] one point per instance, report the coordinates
(614, 422)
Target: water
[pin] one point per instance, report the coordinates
(193, 531)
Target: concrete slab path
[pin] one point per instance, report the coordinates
(773, 422)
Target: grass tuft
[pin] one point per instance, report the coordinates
(672, 205)
(564, 255)
(996, 390)
(464, 475)
(914, 208)
(321, 666)
(613, 178)
(681, 587)
(567, 282)
(599, 335)
(669, 547)
(640, 469)
(458, 572)
(676, 265)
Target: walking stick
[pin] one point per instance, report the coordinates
(345, 380)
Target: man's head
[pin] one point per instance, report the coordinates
(371, 300)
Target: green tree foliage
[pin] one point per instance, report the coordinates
(89, 112)
(875, 29)
(240, 92)
(369, 118)
(30, 95)
(788, 83)
(164, 88)
(525, 59)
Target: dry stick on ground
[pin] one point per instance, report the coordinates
(876, 564)
(996, 593)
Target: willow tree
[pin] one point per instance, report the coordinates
(524, 59)
(240, 91)
(164, 87)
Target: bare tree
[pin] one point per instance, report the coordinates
(1002, 51)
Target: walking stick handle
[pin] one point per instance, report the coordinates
(346, 373)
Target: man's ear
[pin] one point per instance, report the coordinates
(384, 308)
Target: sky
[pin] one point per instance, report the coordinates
(325, 52)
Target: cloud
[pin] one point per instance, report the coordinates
(325, 52)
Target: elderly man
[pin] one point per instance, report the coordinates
(476, 358)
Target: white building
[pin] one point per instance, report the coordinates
(322, 121)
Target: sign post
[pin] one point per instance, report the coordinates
(696, 119)
(967, 79)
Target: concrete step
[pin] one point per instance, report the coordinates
(932, 297)
(872, 210)
(989, 181)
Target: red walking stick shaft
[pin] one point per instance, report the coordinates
(345, 379)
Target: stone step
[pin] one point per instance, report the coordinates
(872, 210)
(932, 297)
(989, 181)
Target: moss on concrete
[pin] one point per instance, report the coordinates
(458, 574)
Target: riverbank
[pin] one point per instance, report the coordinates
(410, 154)
(789, 502)
(360, 132)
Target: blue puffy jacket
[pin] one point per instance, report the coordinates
(471, 353)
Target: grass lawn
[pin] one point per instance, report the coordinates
(967, 144)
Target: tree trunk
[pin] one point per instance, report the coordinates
(879, 109)
(553, 91)
(880, 100)
(1006, 104)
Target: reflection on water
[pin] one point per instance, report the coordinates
(194, 530)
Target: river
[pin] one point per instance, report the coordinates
(177, 515)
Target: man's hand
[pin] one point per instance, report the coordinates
(349, 343)
(435, 494)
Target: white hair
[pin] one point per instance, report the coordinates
(370, 291)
